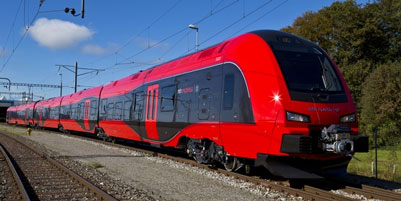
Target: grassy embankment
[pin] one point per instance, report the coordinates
(13, 129)
(389, 164)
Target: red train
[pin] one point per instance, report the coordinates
(265, 98)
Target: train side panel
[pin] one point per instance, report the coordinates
(79, 111)
(47, 113)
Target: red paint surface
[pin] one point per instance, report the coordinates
(265, 82)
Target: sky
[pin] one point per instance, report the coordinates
(122, 37)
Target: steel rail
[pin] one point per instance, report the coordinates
(266, 183)
(97, 192)
(325, 193)
(372, 194)
(15, 174)
(308, 192)
(376, 189)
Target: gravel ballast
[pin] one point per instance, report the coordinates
(134, 176)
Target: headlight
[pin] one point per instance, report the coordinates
(347, 118)
(297, 117)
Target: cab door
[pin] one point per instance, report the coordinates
(152, 97)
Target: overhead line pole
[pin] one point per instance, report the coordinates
(75, 71)
(76, 77)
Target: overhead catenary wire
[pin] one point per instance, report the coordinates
(22, 37)
(244, 15)
(261, 17)
(237, 21)
(176, 33)
(12, 25)
(132, 38)
(170, 36)
(149, 26)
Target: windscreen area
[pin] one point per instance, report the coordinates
(306, 68)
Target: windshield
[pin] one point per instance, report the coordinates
(306, 68)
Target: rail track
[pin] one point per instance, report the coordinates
(11, 185)
(320, 191)
(316, 190)
(38, 177)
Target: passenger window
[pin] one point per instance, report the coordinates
(110, 108)
(167, 99)
(126, 111)
(118, 111)
(79, 111)
(93, 107)
(228, 97)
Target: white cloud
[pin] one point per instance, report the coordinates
(58, 34)
(93, 49)
(3, 52)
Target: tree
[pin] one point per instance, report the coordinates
(381, 103)
(358, 37)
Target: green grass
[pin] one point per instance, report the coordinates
(11, 130)
(95, 165)
(387, 157)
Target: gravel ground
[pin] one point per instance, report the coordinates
(130, 175)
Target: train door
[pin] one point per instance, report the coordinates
(137, 116)
(152, 96)
(86, 114)
(40, 116)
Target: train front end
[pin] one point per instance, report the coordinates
(316, 128)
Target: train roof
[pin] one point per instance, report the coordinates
(75, 97)
(273, 36)
(53, 102)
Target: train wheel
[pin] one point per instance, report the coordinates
(231, 163)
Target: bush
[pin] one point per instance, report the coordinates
(381, 104)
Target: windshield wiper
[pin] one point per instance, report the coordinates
(324, 75)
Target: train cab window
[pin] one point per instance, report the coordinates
(306, 68)
(110, 109)
(168, 98)
(228, 97)
(126, 111)
(118, 111)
